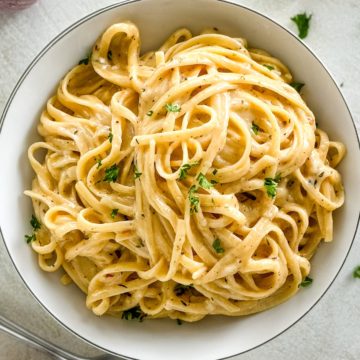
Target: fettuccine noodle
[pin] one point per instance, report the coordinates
(187, 181)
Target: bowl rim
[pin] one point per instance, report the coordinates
(94, 14)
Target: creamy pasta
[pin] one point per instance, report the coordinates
(187, 181)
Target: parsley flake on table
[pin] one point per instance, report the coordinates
(302, 22)
(356, 272)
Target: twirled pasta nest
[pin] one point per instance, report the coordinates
(188, 181)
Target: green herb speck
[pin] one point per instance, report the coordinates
(302, 22)
(306, 282)
(134, 313)
(185, 168)
(356, 272)
(114, 212)
(217, 246)
(172, 107)
(297, 86)
(35, 223)
(111, 173)
(271, 185)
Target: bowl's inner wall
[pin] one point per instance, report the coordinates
(214, 337)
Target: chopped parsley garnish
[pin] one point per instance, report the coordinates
(109, 55)
(114, 212)
(137, 173)
(149, 113)
(30, 238)
(134, 313)
(269, 67)
(306, 282)
(86, 60)
(204, 182)
(110, 137)
(172, 107)
(185, 168)
(35, 223)
(255, 128)
(302, 22)
(194, 200)
(297, 86)
(181, 289)
(99, 163)
(214, 172)
(356, 272)
(111, 173)
(217, 246)
(271, 185)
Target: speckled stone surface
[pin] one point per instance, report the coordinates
(331, 330)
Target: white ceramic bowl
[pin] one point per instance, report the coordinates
(214, 337)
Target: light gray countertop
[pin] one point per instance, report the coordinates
(331, 330)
